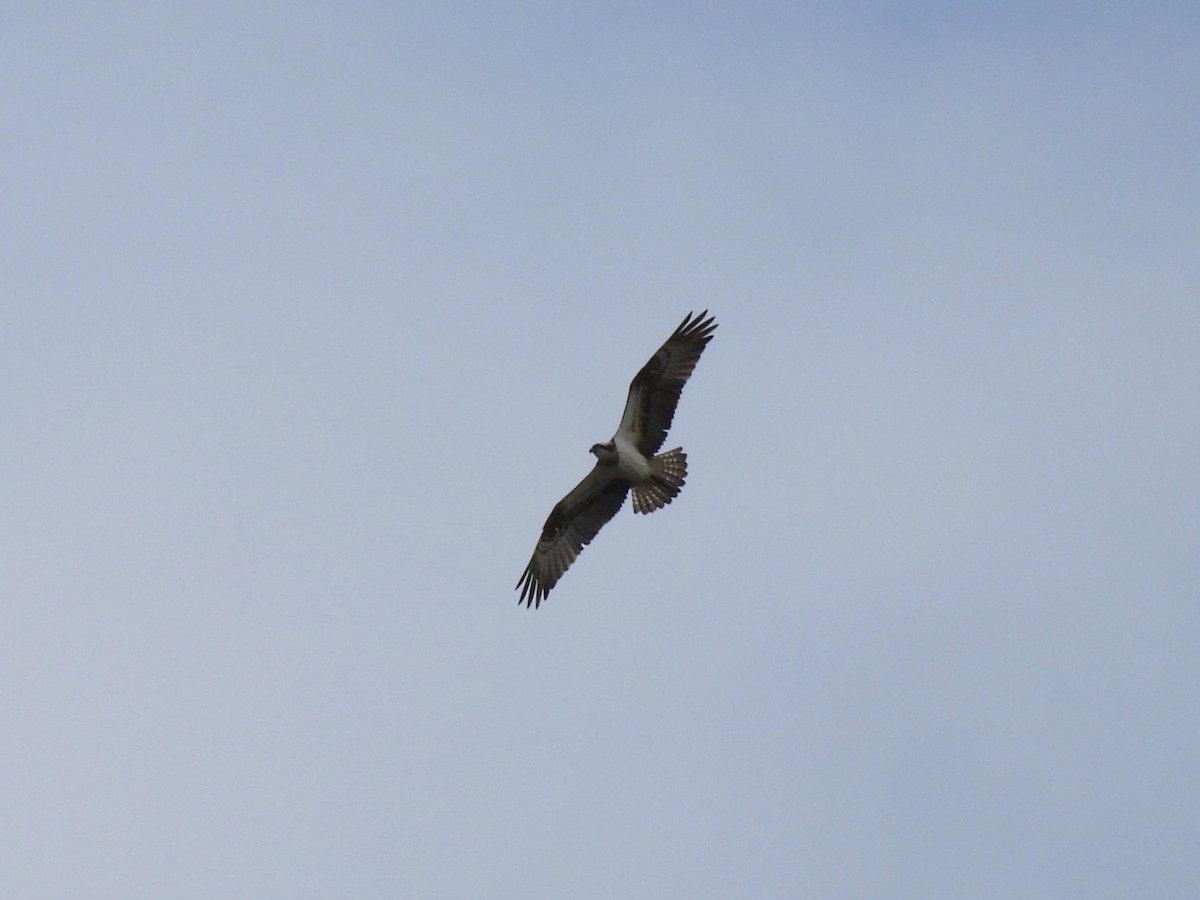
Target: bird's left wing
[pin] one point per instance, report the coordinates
(574, 521)
(654, 391)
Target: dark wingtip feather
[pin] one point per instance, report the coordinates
(693, 325)
(532, 592)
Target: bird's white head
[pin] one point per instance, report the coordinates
(606, 453)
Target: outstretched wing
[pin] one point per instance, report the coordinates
(654, 391)
(573, 522)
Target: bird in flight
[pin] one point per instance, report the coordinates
(626, 463)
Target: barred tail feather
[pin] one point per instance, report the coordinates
(667, 473)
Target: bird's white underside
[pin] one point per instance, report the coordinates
(630, 461)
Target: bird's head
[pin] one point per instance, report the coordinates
(606, 453)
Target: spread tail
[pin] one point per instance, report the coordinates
(667, 473)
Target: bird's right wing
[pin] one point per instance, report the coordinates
(574, 521)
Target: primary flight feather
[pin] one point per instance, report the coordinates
(626, 463)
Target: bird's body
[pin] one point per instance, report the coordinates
(630, 462)
(627, 462)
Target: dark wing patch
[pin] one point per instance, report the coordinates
(572, 524)
(654, 391)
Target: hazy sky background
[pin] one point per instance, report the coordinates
(311, 311)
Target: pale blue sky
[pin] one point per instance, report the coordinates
(312, 311)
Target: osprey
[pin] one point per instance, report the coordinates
(625, 463)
